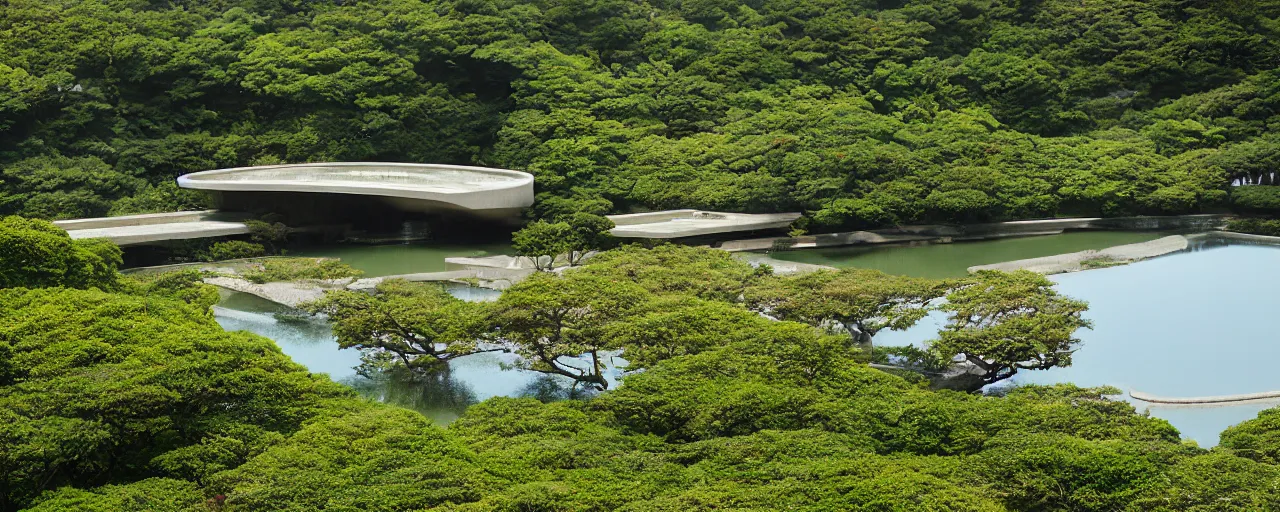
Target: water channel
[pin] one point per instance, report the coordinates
(1193, 323)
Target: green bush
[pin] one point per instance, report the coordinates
(35, 253)
(1256, 199)
(291, 269)
(234, 249)
(1268, 227)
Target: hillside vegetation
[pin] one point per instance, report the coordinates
(862, 113)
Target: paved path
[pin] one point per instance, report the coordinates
(1074, 261)
(685, 223)
(1244, 397)
(156, 227)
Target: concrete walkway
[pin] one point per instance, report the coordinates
(1075, 261)
(156, 227)
(686, 223)
(1244, 397)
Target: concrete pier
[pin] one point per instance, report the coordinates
(688, 223)
(155, 227)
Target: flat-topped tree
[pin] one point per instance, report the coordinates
(420, 325)
(572, 236)
(558, 323)
(542, 242)
(1003, 322)
(678, 269)
(862, 301)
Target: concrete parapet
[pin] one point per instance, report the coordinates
(950, 233)
(689, 223)
(1074, 261)
(155, 227)
(1243, 397)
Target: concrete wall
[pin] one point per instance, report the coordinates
(949, 233)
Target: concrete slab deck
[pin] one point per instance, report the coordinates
(151, 233)
(686, 223)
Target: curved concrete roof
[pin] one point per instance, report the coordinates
(682, 223)
(473, 188)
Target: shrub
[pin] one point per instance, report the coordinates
(35, 253)
(234, 249)
(1256, 199)
(1268, 227)
(290, 269)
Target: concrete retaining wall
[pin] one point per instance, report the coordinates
(1075, 261)
(950, 233)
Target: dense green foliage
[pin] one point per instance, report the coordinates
(1256, 199)
(863, 113)
(1267, 227)
(35, 253)
(135, 399)
(421, 326)
(292, 269)
(567, 239)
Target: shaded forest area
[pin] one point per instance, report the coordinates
(862, 113)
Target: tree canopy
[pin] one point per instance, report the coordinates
(859, 113)
(136, 399)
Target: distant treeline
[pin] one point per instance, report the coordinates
(860, 112)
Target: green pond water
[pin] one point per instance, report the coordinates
(1193, 323)
(393, 259)
(953, 260)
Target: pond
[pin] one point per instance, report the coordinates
(1195, 323)
(954, 259)
(310, 342)
(409, 258)
(1188, 324)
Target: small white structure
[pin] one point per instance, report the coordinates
(154, 227)
(406, 186)
(684, 223)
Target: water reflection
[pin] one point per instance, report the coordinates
(954, 259)
(1195, 323)
(442, 397)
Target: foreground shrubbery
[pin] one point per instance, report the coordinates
(136, 399)
(35, 253)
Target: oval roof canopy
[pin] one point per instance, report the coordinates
(473, 188)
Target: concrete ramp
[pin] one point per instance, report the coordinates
(686, 223)
(155, 227)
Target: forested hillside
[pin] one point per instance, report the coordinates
(861, 112)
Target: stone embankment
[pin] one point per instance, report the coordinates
(1084, 260)
(970, 232)
(1201, 400)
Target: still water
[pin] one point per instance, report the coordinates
(1195, 323)
(310, 342)
(471, 379)
(953, 260)
(387, 260)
